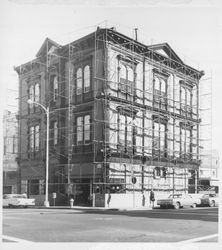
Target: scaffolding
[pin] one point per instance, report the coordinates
(142, 136)
(179, 157)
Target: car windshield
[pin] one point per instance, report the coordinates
(173, 196)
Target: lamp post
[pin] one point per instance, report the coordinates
(46, 109)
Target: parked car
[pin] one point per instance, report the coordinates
(179, 200)
(209, 200)
(17, 200)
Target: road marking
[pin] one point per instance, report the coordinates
(199, 238)
(104, 218)
(15, 239)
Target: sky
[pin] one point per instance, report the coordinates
(192, 28)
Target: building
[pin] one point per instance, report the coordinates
(124, 118)
(11, 181)
(209, 172)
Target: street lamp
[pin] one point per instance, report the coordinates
(46, 109)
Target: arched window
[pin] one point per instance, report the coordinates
(86, 79)
(79, 81)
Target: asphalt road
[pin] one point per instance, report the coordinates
(72, 225)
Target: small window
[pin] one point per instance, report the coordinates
(157, 172)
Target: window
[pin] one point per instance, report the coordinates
(34, 138)
(125, 130)
(129, 132)
(37, 138)
(55, 134)
(55, 88)
(79, 81)
(159, 136)
(86, 79)
(185, 141)
(160, 89)
(185, 100)
(159, 172)
(83, 129)
(79, 130)
(34, 93)
(37, 92)
(126, 79)
(122, 129)
(86, 128)
(31, 95)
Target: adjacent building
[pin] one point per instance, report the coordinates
(11, 180)
(124, 118)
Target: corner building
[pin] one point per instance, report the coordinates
(124, 118)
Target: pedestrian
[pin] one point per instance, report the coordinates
(143, 200)
(152, 198)
(109, 198)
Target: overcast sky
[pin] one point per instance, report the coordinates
(192, 28)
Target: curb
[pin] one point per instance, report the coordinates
(94, 208)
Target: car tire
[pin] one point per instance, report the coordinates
(194, 205)
(212, 203)
(177, 205)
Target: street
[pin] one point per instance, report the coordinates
(93, 225)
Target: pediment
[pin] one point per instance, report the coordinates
(48, 46)
(165, 50)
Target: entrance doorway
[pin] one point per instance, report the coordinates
(81, 192)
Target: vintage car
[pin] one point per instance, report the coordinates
(209, 200)
(179, 200)
(17, 200)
